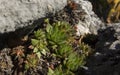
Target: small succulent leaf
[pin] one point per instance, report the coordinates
(35, 42)
(43, 52)
(50, 71)
(38, 54)
(47, 21)
(49, 28)
(35, 50)
(27, 66)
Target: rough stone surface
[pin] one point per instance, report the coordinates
(90, 22)
(109, 38)
(82, 16)
(15, 14)
(106, 60)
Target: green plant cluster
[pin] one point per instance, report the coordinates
(58, 39)
(31, 61)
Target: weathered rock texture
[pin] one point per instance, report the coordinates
(82, 16)
(15, 14)
(106, 60)
(109, 38)
(90, 23)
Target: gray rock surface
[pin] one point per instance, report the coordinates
(90, 22)
(15, 14)
(109, 38)
(82, 16)
(106, 60)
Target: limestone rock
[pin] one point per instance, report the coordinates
(106, 60)
(82, 16)
(15, 14)
(109, 38)
(90, 22)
